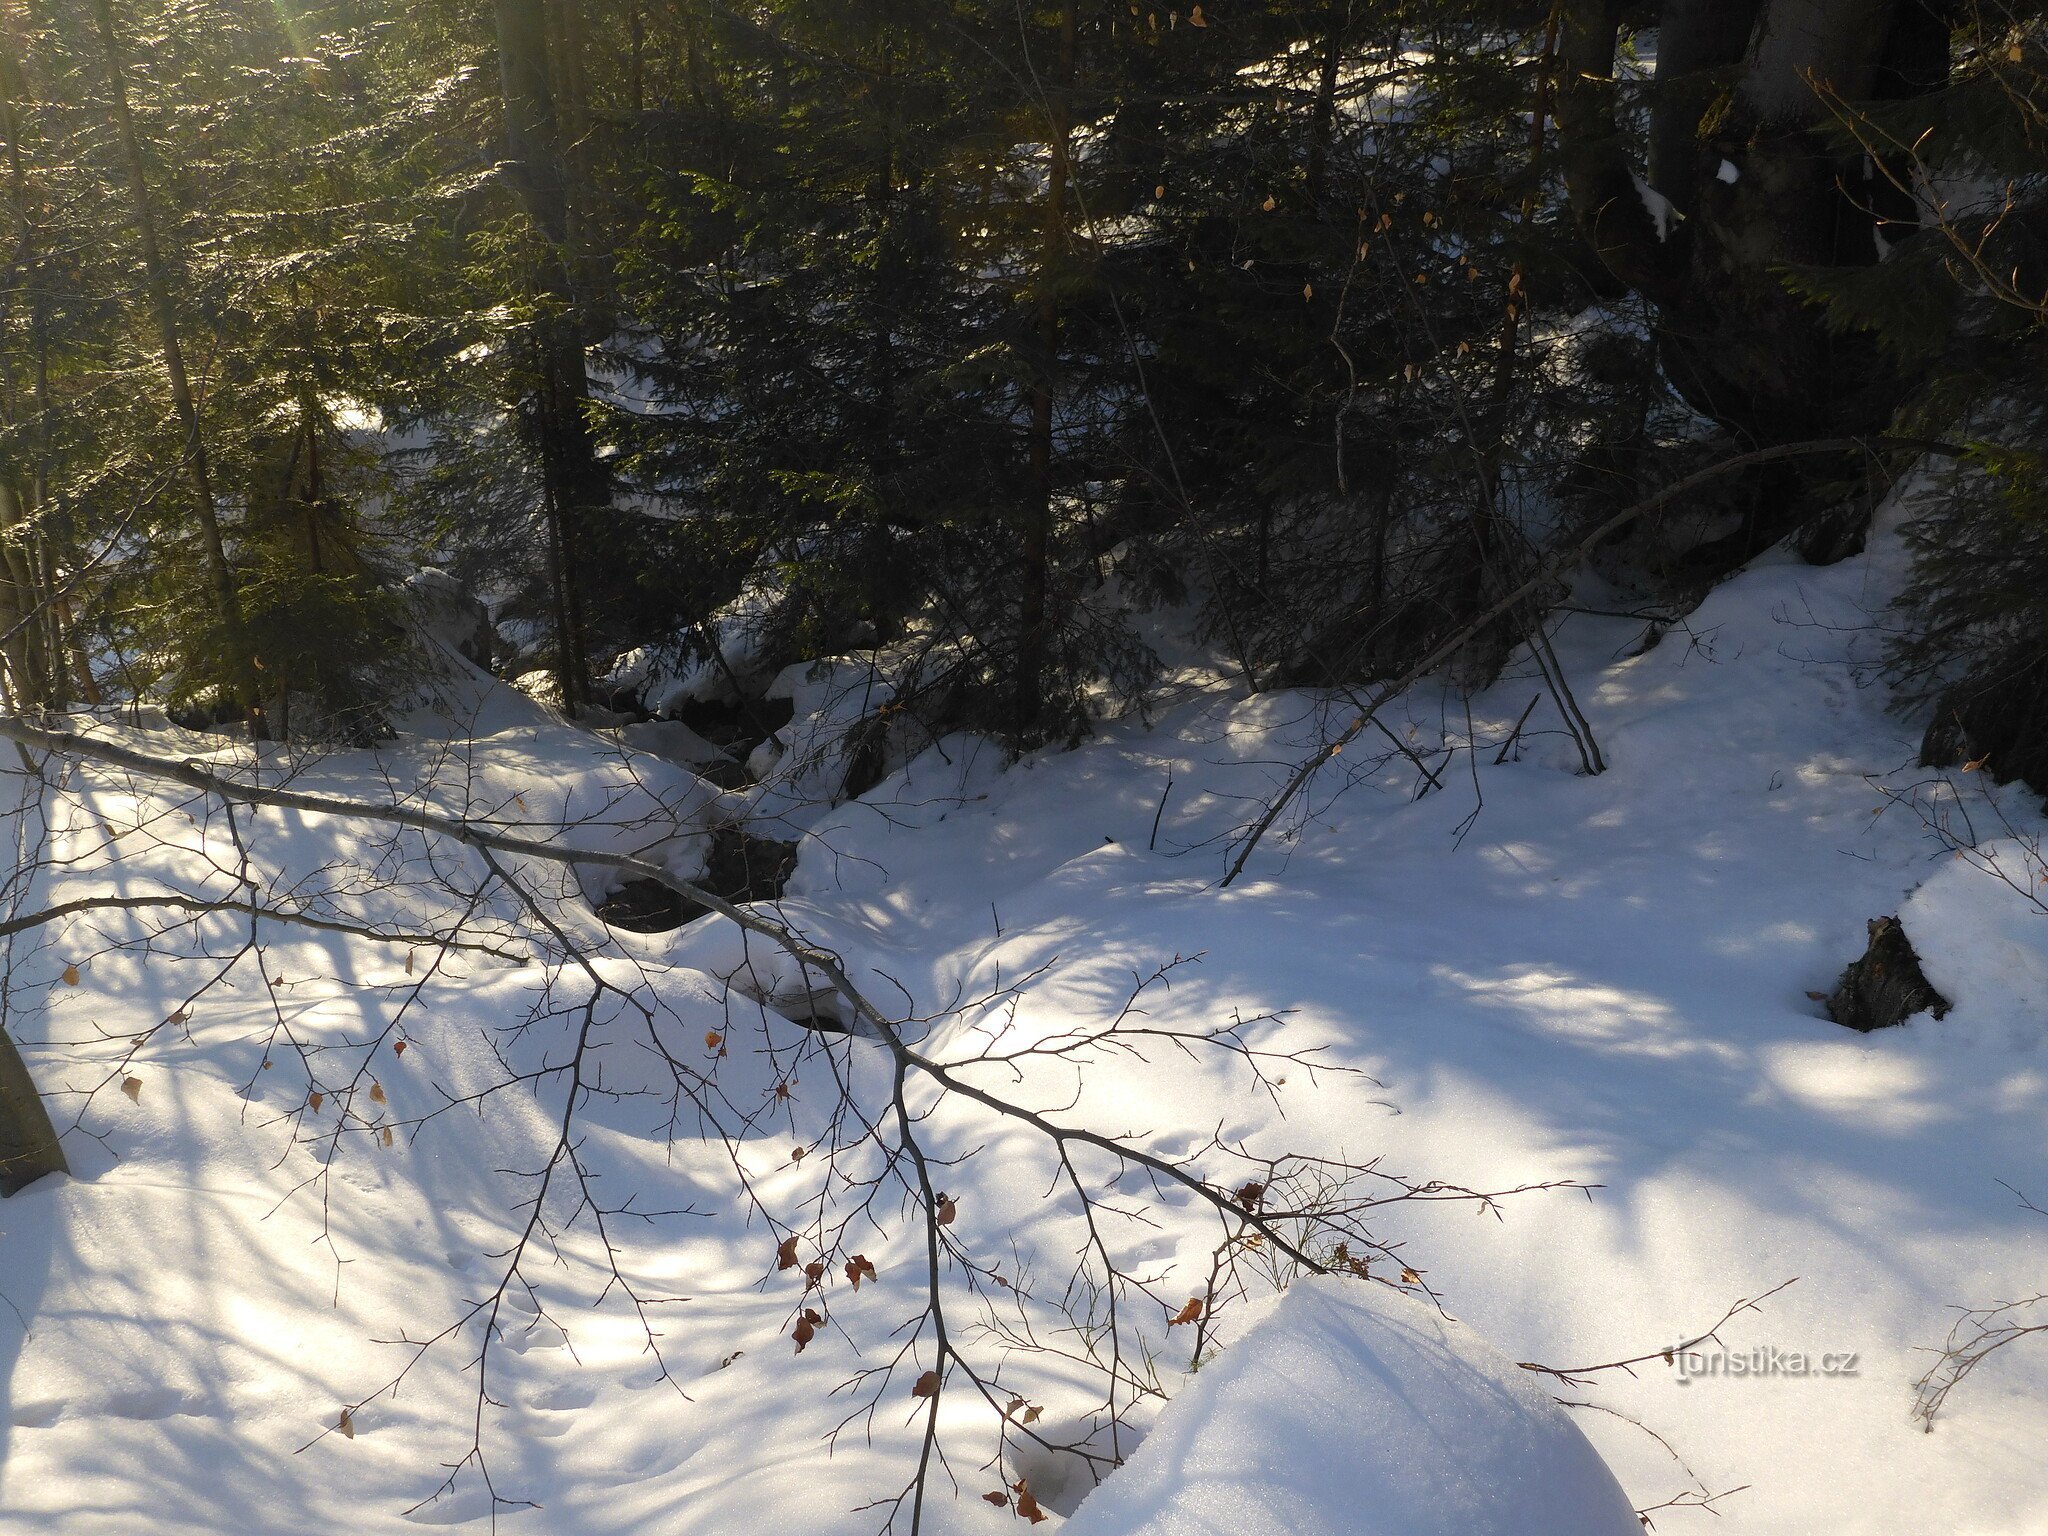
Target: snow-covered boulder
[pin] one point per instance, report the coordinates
(1354, 1409)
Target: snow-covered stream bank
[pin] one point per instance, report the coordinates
(1603, 980)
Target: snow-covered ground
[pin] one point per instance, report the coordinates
(1601, 979)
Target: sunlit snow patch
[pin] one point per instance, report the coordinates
(1353, 1408)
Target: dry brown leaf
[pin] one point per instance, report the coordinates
(1187, 1314)
(132, 1086)
(376, 1092)
(713, 1039)
(70, 975)
(858, 1268)
(348, 1424)
(316, 1099)
(948, 1209)
(927, 1385)
(785, 1253)
(387, 1135)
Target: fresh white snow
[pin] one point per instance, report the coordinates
(1351, 1408)
(1599, 979)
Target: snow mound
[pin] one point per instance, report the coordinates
(1983, 940)
(1353, 1408)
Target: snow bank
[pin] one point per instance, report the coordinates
(1353, 1408)
(1982, 941)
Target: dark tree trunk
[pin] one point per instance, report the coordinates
(157, 279)
(28, 1144)
(1035, 579)
(573, 482)
(1737, 151)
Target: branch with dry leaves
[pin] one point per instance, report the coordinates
(899, 1112)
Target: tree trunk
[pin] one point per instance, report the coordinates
(28, 1143)
(1038, 513)
(156, 277)
(1324, 118)
(1737, 149)
(573, 483)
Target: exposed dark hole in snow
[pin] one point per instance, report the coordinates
(821, 1014)
(744, 868)
(647, 906)
(733, 725)
(740, 868)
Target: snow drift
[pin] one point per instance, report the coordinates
(1353, 1408)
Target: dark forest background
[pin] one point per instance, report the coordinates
(992, 338)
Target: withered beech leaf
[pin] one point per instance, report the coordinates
(398, 1047)
(316, 1099)
(814, 1271)
(132, 1086)
(858, 1268)
(999, 1498)
(347, 1424)
(70, 975)
(948, 1209)
(713, 1039)
(1187, 1314)
(1249, 1195)
(1031, 1414)
(927, 1385)
(804, 1331)
(1027, 1506)
(785, 1253)
(376, 1091)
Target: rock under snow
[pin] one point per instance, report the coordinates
(1355, 1409)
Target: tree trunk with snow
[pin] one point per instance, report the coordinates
(28, 1143)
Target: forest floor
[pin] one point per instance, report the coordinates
(1606, 979)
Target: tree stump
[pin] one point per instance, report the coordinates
(28, 1143)
(1886, 986)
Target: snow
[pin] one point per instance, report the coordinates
(1658, 206)
(1352, 1408)
(1601, 979)
(1977, 925)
